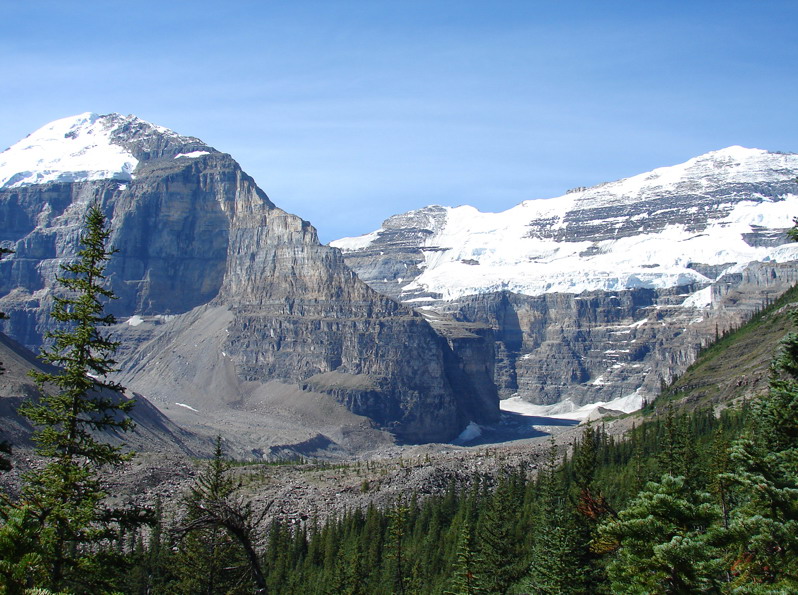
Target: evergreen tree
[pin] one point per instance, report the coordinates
(463, 580)
(663, 542)
(399, 576)
(764, 525)
(502, 560)
(591, 506)
(65, 495)
(555, 563)
(219, 537)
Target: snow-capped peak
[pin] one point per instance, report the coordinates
(78, 148)
(656, 229)
(90, 147)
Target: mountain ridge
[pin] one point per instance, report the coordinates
(604, 293)
(196, 235)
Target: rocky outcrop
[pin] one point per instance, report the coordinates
(606, 292)
(204, 256)
(601, 346)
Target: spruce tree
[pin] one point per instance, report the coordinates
(464, 581)
(663, 541)
(764, 481)
(555, 559)
(591, 507)
(398, 569)
(220, 535)
(77, 402)
(502, 560)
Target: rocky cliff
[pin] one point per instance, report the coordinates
(605, 292)
(225, 295)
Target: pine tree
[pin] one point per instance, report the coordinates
(463, 580)
(501, 559)
(220, 532)
(555, 563)
(591, 507)
(65, 495)
(399, 577)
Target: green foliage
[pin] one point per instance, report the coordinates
(664, 545)
(502, 558)
(764, 480)
(217, 550)
(64, 496)
(555, 558)
(20, 563)
(700, 509)
(463, 580)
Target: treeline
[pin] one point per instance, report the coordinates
(682, 504)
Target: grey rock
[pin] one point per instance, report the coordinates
(207, 258)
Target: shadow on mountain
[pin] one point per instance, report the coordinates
(514, 426)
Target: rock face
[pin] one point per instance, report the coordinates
(205, 257)
(605, 292)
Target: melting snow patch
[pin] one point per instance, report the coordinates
(471, 432)
(135, 320)
(193, 154)
(568, 410)
(186, 406)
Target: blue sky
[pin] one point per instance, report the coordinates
(348, 112)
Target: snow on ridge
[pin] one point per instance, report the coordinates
(356, 242)
(193, 154)
(486, 252)
(510, 261)
(73, 149)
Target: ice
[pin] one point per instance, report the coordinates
(135, 320)
(193, 154)
(700, 299)
(510, 260)
(471, 432)
(73, 149)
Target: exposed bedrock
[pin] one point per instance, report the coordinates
(196, 235)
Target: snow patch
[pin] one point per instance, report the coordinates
(356, 243)
(700, 299)
(193, 154)
(186, 406)
(472, 431)
(567, 409)
(74, 149)
(135, 320)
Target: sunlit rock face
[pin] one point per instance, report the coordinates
(606, 291)
(205, 257)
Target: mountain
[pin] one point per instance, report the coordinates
(152, 432)
(232, 314)
(604, 293)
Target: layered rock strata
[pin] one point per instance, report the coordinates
(605, 292)
(204, 256)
